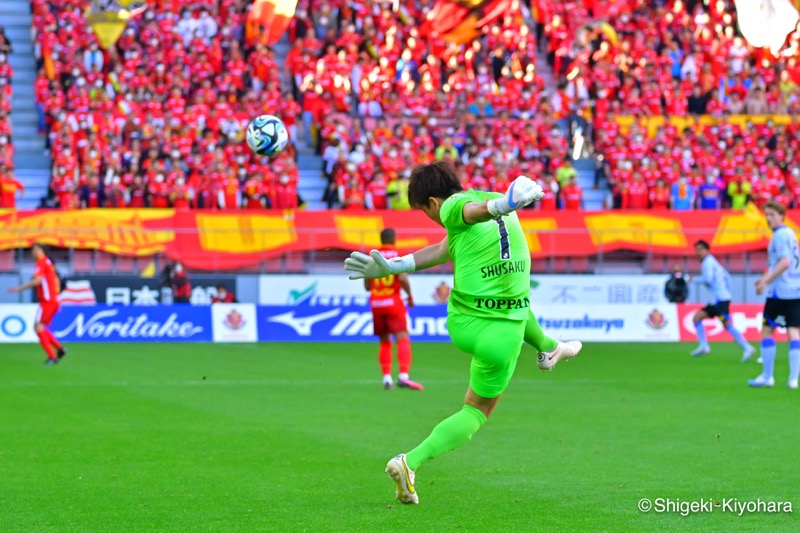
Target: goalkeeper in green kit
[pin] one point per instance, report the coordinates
(488, 313)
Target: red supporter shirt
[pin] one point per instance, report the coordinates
(159, 194)
(230, 193)
(659, 197)
(253, 190)
(548, 202)
(636, 196)
(762, 192)
(377, 188)
(47, 290)
(285, 196)
(228, 299)
(8, 191)
(572, 197)
(385, 292)
(137, 197)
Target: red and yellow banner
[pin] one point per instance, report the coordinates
(223, 240)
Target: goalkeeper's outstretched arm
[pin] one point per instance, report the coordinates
(430, 256)
(374, 265)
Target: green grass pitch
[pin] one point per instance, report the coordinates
(295, 437)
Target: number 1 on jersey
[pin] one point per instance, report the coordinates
(505, 246)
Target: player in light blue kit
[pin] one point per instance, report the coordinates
(781, 283)
(716, 278)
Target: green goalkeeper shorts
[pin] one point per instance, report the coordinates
(494, 344)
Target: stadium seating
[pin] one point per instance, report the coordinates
(7, 261)
(649, 58)
(725, 154)
(609, 73)
(8, 185)
(406, 89)
(160, 119)
(372, 94)
(680, 59)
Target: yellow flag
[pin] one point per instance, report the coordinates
(108, 18)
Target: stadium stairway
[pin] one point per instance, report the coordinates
(312, 183)
(543, 68)
(32, 166)
(593, 199)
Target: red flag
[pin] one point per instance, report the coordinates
(460, 21)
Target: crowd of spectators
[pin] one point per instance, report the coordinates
(610, 59)
(668, 57)
(676, 58)
(158, 120)
(703, 167)
(369, 167)
(378, 98)
(370, 59)
(10, 188)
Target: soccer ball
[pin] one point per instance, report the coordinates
(267, 135)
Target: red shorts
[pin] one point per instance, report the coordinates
(46, 312)
(389, 321)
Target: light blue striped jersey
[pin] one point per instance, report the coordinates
(784, 244)
(716, 278)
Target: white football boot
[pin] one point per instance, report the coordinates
(748, 353)
(700, 351)
(792, 384)
(564, 350)
(404, 478)
(761, 382)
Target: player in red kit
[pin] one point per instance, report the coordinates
(389, 317)
(47, 289)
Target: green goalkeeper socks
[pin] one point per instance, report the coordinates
(536, 337)
(448, 435)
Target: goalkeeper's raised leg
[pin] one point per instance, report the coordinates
(489, 314)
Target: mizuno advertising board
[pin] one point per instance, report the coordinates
(343, 324)
(598, 323)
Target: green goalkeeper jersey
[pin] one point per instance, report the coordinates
(491, 261)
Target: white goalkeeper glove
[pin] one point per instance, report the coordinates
(375, 266)
(522, 192)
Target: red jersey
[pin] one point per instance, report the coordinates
(572, 195)
(548, 202)
(385, 292)
(659, 197)
(8, 191)
(48, 289)
(635, 195)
